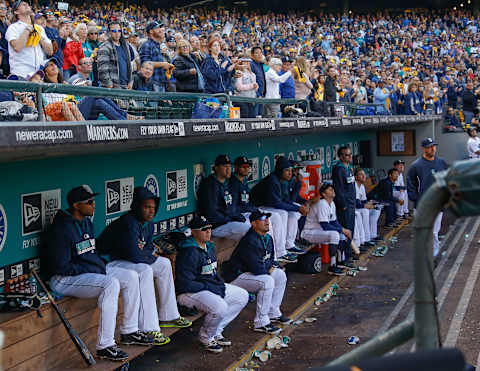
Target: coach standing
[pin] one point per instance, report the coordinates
(345, 195)
(420, 178)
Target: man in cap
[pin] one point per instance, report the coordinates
(216, 202)
(323, 227)
(273, 193)
(28, 45)
(420, 178)
(129, 242)
(77, 270)
(400, 190)
(151, 51)
(385, 193)
(381, 95)
(252, 267)
(199, 285)
(241, 196)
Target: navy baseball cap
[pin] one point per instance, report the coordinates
(153, 25)
(428, 142)
(258, 215)
(80, 194)
(242, 160)
(222, 160)
(398, 162)
(198, 222)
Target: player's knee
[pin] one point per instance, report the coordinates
(112, 286)
(220, 309)
(334, 237)
(130, 276)
(145, 271)
(268, 282)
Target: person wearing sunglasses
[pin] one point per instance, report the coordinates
(216, 202)
(129, 243)
(75, 269)
(4, 23)
(252, 267)
(52, 31)
(199, 285)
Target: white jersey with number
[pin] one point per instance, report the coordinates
(473, 145)
(320, 212)
(360, 193)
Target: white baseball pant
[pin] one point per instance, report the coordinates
(232, 230)
(401, 209)
(219, 311)
(269, 288)
(148, 315)
(374, 215)
(107, 288)
(436, 228)
(321, 236)
(277, 232)
(289, 222)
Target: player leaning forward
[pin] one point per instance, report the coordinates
(129, 242)
(77, 270)
(199, 285)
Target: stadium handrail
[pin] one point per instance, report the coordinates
(39, 89)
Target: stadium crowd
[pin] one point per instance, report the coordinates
(410, 63)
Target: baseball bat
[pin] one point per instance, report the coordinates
(80, 345)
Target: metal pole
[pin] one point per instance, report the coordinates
(40, 104)
(432, 202)
(379, 345)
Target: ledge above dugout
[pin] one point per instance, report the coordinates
(34, 140)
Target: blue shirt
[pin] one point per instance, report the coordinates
(122, 65)
(151, 51)
(287, 88)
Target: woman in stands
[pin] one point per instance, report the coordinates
(245, 86)
(187, 69)
(73, 52)
(412, 101)
(214, 69)
(301, 77)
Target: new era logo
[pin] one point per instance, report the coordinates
(112, 197)
(172, 186)
(30, 213)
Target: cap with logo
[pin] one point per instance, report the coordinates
(428, 142)
(153, 25)
(242, 160)
(170, 39)
(258, 214)
(222, 160)
(199, 221)
(80, 194)
(398, 162)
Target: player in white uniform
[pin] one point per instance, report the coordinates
(473, 144)
(199, 285)
(322, 227)
(252, 267)
(400, 190)
(366, 215)
(129, 242)
(76, 270)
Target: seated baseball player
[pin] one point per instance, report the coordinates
(274, 194)
(77, 270)
(216, 203)
(199, 285)
(129, 242)
(252, 267)
(241, 198)
(366, 215)
(400, 190)
(386, 196)
(323, 227)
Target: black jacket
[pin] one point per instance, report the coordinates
(186, 81)
(385, 191)
(330, 94)
(469, 100)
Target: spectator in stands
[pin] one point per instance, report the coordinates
(330, 85)
(151, 51)
(252, 267)
(114, 57)
(450, 121)
(322, 227)
(469, 102)
(301, 77)
(272, 193)
(199, 286)
(273, 80)
(241, 197)
(4, 23)
(52, 32)
(412, 101)
(258, 67)
(216, 202)
(40, 19)
(187, 72)
(93, 44)
(344, 186)
(28, 45)
(72, 52)
(142, 80)
(386, 196)
(452, 94)
(129, 242)
(215, 69)
(400, 190)
(369, 214)
(359, 93)
(245, 86)
(84, 71)
(77, 270)
(381, 95)
(196, 50)
(473, 143)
